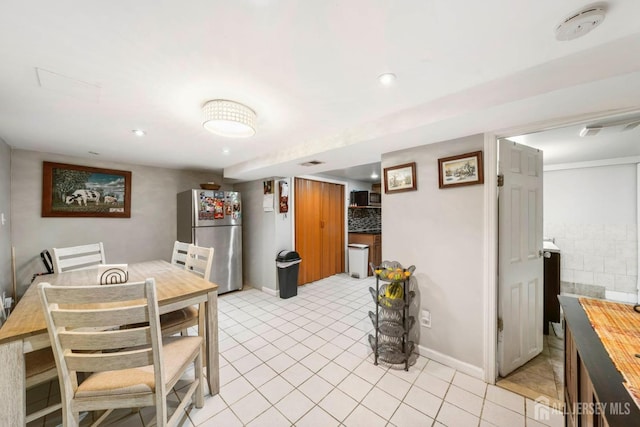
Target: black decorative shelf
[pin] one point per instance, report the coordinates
(391, 320)
(391, 352)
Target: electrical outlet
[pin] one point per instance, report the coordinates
(425, 318)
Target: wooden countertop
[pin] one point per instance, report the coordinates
(607, 381)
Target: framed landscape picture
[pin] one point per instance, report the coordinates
(464, 169)
(400, 178)
(81, 191)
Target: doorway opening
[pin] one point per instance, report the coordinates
(590, 202)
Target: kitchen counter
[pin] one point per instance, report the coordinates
(365, 231)
(594, 388)
(550, 247)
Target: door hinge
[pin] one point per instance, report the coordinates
(500, 180)
(500, 324)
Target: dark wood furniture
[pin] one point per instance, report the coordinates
(593, 388)
(551, 288)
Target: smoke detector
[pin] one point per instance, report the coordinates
(580, 23)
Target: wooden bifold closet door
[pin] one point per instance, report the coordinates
(319, 228)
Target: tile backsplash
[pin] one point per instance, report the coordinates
(597, 254)
(364, 219)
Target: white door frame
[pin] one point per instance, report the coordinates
(491, 224)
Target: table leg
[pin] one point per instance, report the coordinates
(12, 383)
(212, 356)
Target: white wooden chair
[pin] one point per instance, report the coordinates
(179, 254)
(198, 260)
(78, 257)
(40, 367)
(123, 367)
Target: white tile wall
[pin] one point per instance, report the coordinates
(597, 254)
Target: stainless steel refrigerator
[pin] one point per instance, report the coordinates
(214, 219)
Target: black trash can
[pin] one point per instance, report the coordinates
(288, 263)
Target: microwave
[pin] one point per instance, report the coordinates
(375, 199)
(359, 198)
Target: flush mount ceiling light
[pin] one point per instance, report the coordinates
(579, 24)
(387, 79)
(138, 132)
(229, 118)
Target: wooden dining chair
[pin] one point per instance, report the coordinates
(198, 260)
(179, 254)
(78, 257)
(123, 367)
(40, 367)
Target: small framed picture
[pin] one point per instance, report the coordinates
(464, 169)
(400, 178)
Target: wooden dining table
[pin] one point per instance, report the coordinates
(25, 330)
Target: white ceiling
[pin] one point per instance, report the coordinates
(309, 71)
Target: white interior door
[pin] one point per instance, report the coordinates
(520, 267)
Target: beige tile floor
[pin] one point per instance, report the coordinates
(543, 376)
(305, 361)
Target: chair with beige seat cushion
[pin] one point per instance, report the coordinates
(123, 367)
(78, 257)
(198, 260)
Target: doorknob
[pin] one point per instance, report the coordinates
(544, 254)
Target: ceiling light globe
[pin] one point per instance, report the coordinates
(229, 119)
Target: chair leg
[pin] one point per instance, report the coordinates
(199, 375)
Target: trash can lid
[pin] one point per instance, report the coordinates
(358, 245)
(288, 256)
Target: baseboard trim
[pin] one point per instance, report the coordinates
(464, 367)
(270, 291)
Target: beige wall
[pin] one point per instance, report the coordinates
(5, 208)
(148, 234)
(441, 233)
(265, 233)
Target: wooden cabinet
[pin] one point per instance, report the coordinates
(375, 247)
(593, 388)
(319, 229)
(551, 289)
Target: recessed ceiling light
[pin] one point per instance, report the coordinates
(225, 150)
(387, 79)
(138, 132)
(374, 175)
